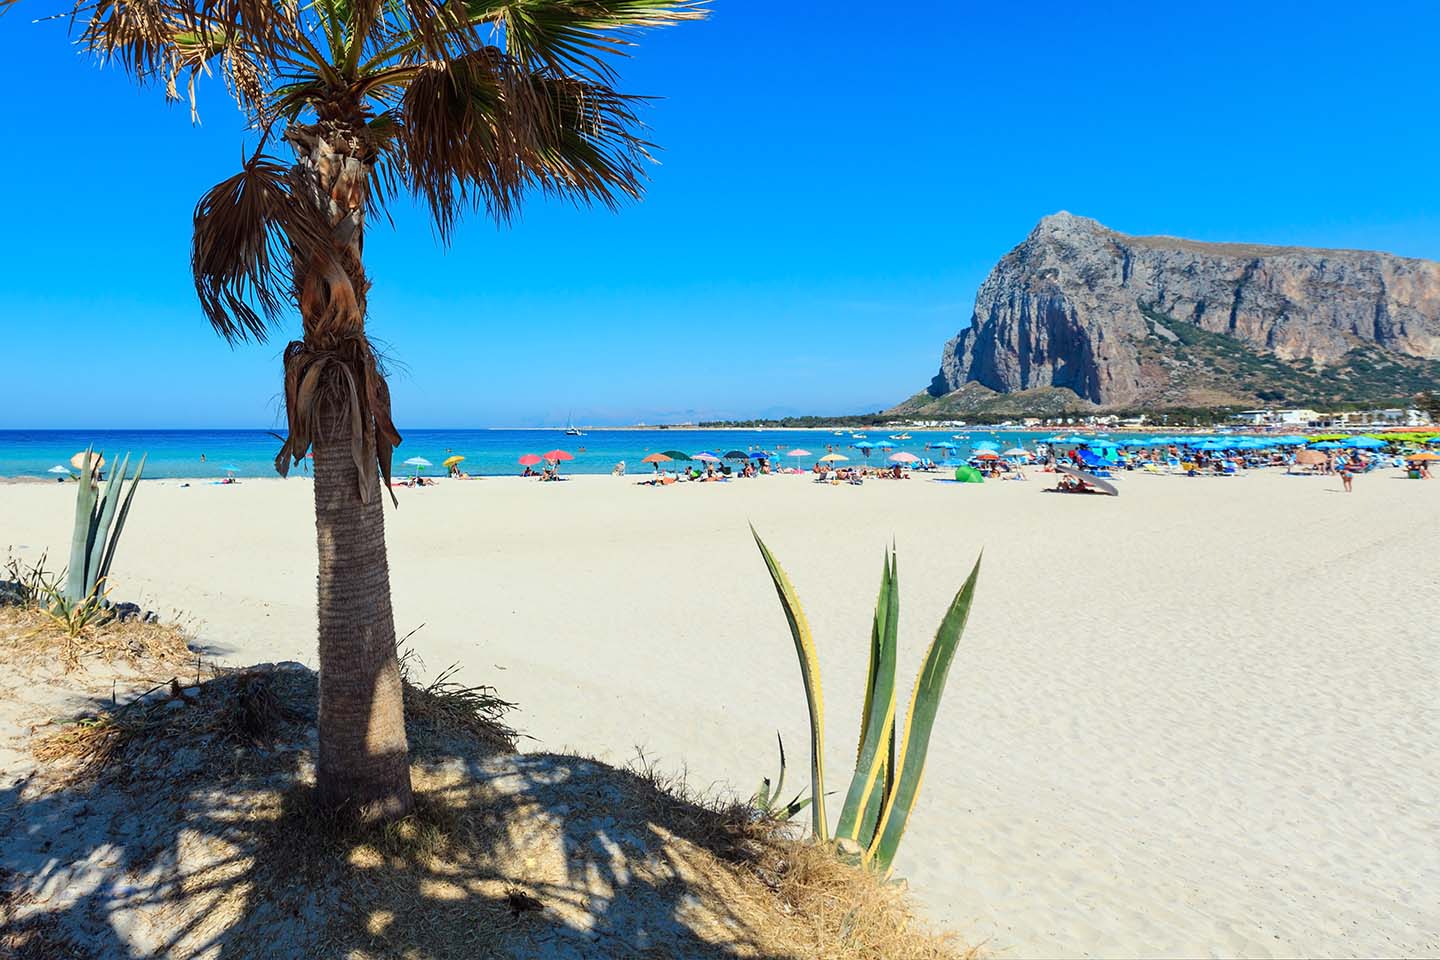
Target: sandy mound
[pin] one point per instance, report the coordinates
(175, 820)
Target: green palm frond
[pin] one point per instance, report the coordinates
(581, 36)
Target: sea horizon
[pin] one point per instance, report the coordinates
(488, 451)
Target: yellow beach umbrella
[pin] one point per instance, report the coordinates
(449, 462)
(832, 457)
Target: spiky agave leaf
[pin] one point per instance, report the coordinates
(104, 571)
(919, 722)
(81, 531)
(810, 676)
(100, 528)
(867, 793)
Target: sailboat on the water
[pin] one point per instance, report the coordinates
(570, 429)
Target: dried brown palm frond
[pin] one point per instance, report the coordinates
(351, 370)
(247, 230)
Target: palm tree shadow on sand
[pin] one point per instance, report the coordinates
(195, 834)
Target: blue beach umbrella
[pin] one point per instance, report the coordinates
(1326, 445)
(986, 445)
(1364, 443)
(761, 455)
(944, 445)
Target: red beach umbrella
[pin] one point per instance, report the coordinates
(555, 456)
(530, 459)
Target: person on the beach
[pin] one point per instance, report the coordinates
(1346, 477)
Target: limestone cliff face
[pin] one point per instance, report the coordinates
(1109, 316)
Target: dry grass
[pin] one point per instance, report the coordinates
(29, 634)
(233, 708)
(846, 913)
(445, 705)
(479, 869)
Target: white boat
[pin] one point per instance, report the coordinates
(571, 430)
(899, 436)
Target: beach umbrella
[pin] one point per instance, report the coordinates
(230, 468)
(78, 461)
(707, 457)
(903, 457)
(863, 445)
(529, 459)
(657, 459)
(1364, 443)
(554, 456)
(737, 455)
(943, 445)
(986, 445)
(1326, 445)
(761, 455)
(59, 469)
(1423, 458)
(1017, 452)
(987, 455)
(833, 457)
(677, 454)
(885, 445)
(417, 463)
(797, 452)
(1091, 480)
(449, 462)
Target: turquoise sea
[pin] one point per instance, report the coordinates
(177, 453)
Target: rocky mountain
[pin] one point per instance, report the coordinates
(1082, 316)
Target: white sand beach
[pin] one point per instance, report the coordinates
(1197, 720)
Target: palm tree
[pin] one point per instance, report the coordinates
(466, 105)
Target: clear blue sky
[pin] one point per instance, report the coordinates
(832, 190)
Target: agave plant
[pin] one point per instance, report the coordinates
(767, 799)
(883, 788)
(97, 528)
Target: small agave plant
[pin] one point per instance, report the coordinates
(92, 541)
(884, 788)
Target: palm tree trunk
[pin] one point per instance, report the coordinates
(364, 759)
(363, 766)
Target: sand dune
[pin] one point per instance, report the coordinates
(1196, 720)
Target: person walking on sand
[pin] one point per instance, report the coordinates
(1347, 477)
